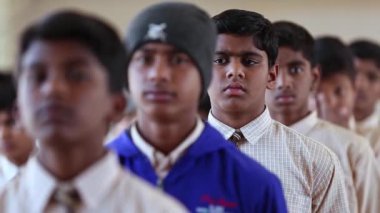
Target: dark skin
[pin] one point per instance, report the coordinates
(65, 103)
(166, 87)
(296, 82)
(241, 75)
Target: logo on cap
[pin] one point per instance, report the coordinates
(156, 32)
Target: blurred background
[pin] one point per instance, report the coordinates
(347, 19)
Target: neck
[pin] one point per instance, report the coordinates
(67, 163)
(19, 161)
(165, 136)
(361, 114)
(289, 118)
(236, 119)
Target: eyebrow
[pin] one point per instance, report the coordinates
(239, 54)
(296, 63)
(171, 51)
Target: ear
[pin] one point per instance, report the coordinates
(118, 107)
(316, 78)
(272, 76)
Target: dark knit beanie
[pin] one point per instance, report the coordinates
(183, 25)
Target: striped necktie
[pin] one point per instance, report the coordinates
(237, 138)
(68, 197)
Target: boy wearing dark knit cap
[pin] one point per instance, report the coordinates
(170, 48)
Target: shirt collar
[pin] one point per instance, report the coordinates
(304, 125)
(149, 150)
(370, 122)
(251, 131)
(41, 184)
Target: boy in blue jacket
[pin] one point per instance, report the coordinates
(170, 47)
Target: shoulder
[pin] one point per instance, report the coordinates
(143, 197)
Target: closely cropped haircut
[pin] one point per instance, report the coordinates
(95, 34)
(295, 37)
(333, 57)
(247, 23)
(368, 50)
(7, 91)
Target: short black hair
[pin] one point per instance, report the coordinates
(7, 91)
(333, 57)
(248, 23)
(365, 49)
(295, 37)
(92, 32)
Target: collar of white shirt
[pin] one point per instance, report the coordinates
(149, 150)
(370, 122)
(41, 184)
(251, 131)
(304, 125)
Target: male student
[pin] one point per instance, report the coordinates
(171, 47)
(244, 67)
(70, 78)
(335, 96)
(15, 145)
(288, 103)
(367, 83)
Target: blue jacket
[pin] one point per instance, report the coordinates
(212, 176)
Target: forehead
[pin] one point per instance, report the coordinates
(235, 44)
(159, 48)
(366, 64)
(57, 51)
(288, 55)
(336, 80)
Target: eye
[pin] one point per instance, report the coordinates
(338, 91)
(37, 74)
(143, 58)
(76, 74)
(295, 70)
(179, 58)
(220, 60)
(249, 62)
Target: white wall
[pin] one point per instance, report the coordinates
(348, 19)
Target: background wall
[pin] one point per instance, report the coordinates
(348, 19)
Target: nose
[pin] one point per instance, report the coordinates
(360, 82)
(160, 70)
(235, 69)
(55, 84)
(283, 80)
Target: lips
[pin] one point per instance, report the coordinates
(235, 89)
(54, 113)
(285, 98)
(160, 96)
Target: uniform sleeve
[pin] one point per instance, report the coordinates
(366, 176)
(329, 193)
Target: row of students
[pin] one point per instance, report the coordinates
(72, 70)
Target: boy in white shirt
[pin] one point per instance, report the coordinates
(70, 80)
(298, 80)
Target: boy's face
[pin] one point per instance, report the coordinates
(15, 144)
(367, 84)
(240, 76)
(335, 99)
(164, 82)
(296, 80)
(64, 94)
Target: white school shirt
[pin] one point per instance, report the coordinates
(103, 187)
(309, 172)
(370, 129)
(156, 157)
(8, 170)
(356, 157)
